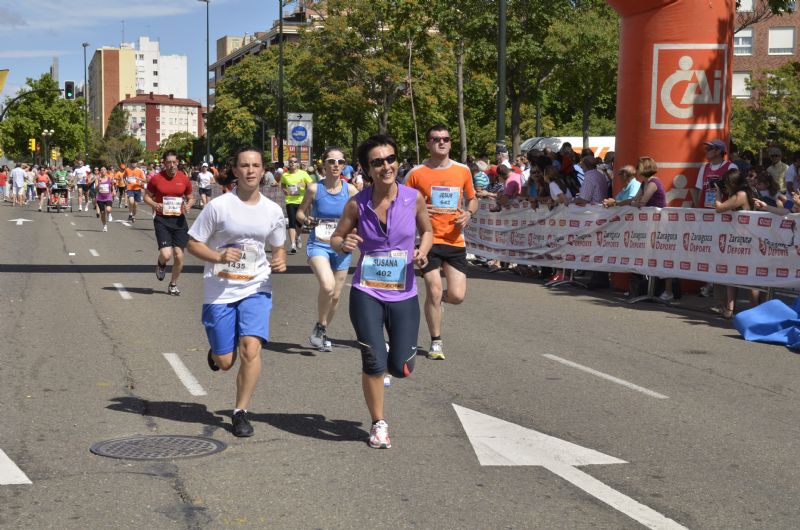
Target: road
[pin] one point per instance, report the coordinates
(704, 425)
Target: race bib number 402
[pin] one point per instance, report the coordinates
(384, 270)
(242, 270)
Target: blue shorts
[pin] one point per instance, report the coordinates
(136, 194)
(338, 262)
(225, 323)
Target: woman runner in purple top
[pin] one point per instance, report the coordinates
(382, 222)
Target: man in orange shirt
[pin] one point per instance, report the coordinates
(120, 184)
(445, 185)
(135, 181)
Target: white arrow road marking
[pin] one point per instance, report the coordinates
(19, 221)
(192, 385)
(93, 252)
(73, 224)
(607, 377)
(122, 291)
(500, 443)
(10, 473)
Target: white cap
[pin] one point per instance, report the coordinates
(204, 165)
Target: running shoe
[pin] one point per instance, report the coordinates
(130, 216)
(666, 297)
(387, 380)
(436, 351)
(161, 271)
(326, 344)
(293, 250)
(317, 338)
(299, 242)
(133, 219)
(379, 435)
(173, 290)
(211, 363)
(241, 425)
(105, 228)
(86, 209)
(110, 218)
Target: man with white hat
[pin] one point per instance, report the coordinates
(204, 180)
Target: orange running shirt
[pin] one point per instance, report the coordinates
(134, 178)
(445, 188)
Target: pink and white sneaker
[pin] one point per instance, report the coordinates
(379, 435)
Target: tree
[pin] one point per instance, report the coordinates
(762, 10)
(117, 122)
(39, 111)
(182, 142)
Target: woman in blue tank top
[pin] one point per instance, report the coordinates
(382, 222)
(325, 200)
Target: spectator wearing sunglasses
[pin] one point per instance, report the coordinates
(777, 167)
(447, 188)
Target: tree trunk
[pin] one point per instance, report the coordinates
(538, 110)
(516, 97)
(354, 142)
(587, 107)
(383, 117)
(462, 124)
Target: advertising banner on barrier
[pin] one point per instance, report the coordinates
(742, 248)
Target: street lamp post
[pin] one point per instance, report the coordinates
(46, 135)
(208, 83)
(281, 122)
(500, 138)
(85, 105)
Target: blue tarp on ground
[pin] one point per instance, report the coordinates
(773, 322)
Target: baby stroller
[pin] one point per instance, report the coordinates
(60, 198)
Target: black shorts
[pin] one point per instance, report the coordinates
(40, 191)
(205, 191)
(105, 204)
(171, 231)
(83, 187)
(455, 256)
(291, 213)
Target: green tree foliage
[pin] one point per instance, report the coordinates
(117, 122)
(36, 112)
(182, 142)
(771, 114)
(117, 146)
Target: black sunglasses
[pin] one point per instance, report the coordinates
(339, 161)
(378, 162)
(440, 139)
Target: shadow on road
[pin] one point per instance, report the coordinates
(140, 290)
(309, 425)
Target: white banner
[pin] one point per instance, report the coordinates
(741, 248)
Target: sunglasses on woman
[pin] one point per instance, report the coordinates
(337, 161)
(378, 162)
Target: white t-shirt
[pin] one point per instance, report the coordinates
(555, 191)
(227, 221)
(18, 176)
(204, 179)
(791, 175)
(80, 174)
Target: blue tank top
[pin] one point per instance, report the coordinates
(327, 207)
(384, 248)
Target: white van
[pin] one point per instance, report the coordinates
(600, 145)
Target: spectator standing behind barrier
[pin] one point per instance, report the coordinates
(595, 185)
(777, 167)
(630, 188)
(704, 194)
(790, 177)
(767, 189)
(740, 197)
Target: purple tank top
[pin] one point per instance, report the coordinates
(105, 189)
(382, 250)
(659, 198)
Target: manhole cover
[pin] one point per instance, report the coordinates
(161, 447)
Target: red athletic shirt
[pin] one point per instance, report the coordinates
(3, 178)
(161, 186)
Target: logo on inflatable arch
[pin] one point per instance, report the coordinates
(689, 86)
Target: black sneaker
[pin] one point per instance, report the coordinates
(161, 271)
(173, 290)
(293, 250)
(241, 425)
(211, 363)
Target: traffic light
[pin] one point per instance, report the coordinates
(32, 145)
(69, 89)
(54, 154)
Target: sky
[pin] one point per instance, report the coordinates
(35, 31)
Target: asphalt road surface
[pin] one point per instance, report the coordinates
(554, 408)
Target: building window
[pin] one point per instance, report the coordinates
(155, 61)
(745, 6)
(743, 42)
(155, 72)
(781, 41)
(741, 89)
(155, 84)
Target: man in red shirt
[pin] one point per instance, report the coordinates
(169, 193)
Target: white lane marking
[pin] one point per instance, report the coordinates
(183, 373)
(606, 376)
(93, 252)
(10, 473)
(125, 223)
(79, 234)
(498, 442)
(71, 253)
(73, 224)
(122, 291)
